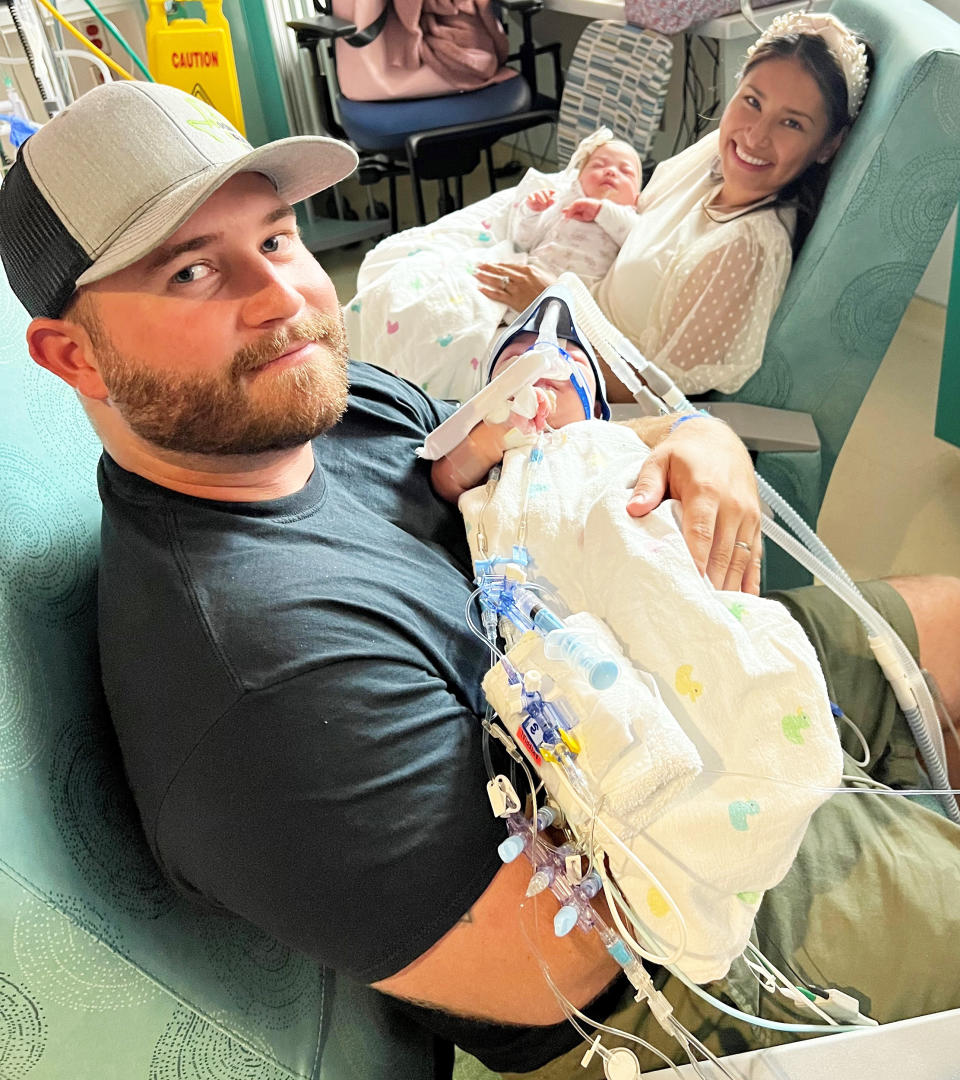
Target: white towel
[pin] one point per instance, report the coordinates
(635, 757)
(736, 673)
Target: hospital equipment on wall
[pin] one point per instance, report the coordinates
(539, 726)
(46, 53)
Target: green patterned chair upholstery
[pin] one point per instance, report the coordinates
(105, 973)
(893, 188)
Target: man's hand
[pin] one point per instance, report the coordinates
(583, 209)
(539, 201)
(706, 467)
(517, 286)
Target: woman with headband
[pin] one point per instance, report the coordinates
(702, 271)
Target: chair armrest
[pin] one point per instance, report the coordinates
(325, 27)
(760, 427)
(521, 6)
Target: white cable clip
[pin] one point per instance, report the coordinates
(845, 1008)
(573, 867)
(591, 1050)
(503, 799)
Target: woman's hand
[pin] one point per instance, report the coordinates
(705, 466)
(538, 201)
(582, 209)
(516, 286)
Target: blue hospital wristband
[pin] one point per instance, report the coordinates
(689, 416)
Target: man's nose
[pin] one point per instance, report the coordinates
(271, 296)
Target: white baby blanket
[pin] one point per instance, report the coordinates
(418, 312)
(734, 672)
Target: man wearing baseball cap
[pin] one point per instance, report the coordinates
(283, 646)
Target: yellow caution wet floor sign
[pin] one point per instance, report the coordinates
(196, 55)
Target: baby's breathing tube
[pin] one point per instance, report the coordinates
(657, 393)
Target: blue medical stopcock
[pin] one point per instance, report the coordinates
(510, 848)
(565, 920)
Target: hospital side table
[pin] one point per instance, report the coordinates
(947, 424)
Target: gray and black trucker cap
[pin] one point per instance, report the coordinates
(118, 171)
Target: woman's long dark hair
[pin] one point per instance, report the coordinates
(806, 191)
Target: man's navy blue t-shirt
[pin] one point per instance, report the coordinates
(296, 691)
(297, 697)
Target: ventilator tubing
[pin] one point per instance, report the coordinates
(660, 394)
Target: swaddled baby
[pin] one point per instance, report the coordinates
(688, 766)
(581, 224)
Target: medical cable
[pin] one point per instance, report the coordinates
(632, 856)
(76, 54)
(899, 666)
(86, 44)
(902, 671)
(41, 76)
(617, 900)
(786, 987)
(883, 789)
(123, 41)
(796, 995)
(572, 1011)
(645, 991)
(756, 1021)
(945, 718)
(622, 355)
(839, 714)
(909, 686)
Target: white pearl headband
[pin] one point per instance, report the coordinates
(849, 53)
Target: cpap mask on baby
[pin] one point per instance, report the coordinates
(511, 392)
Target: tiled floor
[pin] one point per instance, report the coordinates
(893, 505)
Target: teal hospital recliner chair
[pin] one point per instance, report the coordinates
(892, 190)
(105, 973)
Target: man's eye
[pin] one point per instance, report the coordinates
(189, 274)
(278, 242)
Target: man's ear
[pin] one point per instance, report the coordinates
(65, 349)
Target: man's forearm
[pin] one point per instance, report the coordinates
(651, 429)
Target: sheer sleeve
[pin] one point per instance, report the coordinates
(715, 303)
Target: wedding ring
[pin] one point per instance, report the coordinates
(743, 544)
(504, 282)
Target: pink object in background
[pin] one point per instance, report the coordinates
(672, 16)
(427, 48)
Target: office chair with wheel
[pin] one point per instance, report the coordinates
(419, 128)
